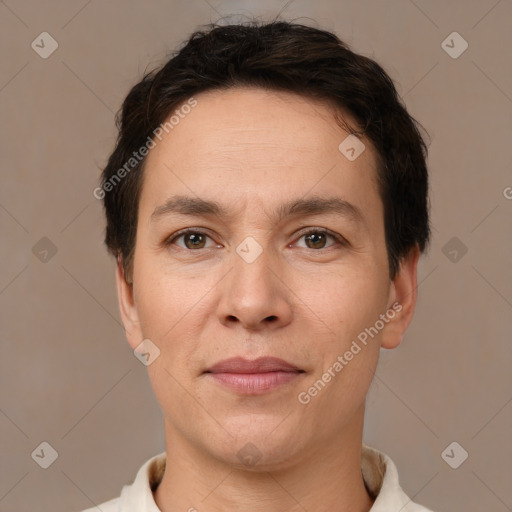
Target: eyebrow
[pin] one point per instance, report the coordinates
(185, 205)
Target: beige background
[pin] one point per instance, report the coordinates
(67, 375)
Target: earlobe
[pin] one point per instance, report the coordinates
(127, 307)
(403, 295)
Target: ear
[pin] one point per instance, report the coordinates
(403, 295)
(127, 307)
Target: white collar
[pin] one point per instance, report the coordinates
(379, 474)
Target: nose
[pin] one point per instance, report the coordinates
(255, 294)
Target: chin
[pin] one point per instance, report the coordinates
(258, 445)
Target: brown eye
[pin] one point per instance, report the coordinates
(191, 239)
(196, 240)
(317, 239)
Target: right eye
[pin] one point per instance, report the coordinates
(193, 239)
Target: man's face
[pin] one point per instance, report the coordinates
(250, 283)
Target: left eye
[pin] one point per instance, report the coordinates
(317, 238)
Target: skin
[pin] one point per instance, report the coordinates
(303, 301)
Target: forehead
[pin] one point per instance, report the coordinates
(265, 146)
(284, 120)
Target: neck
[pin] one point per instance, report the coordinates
(328, 479)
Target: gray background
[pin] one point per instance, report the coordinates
(67, 375)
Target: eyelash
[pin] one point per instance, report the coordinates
(186, 231)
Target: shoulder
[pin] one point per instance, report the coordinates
(107, 506)
(137, 496)
(411, 506)
(415, 507)
(381, 479)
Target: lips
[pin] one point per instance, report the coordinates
(253, 377)
(256, 377)
(239, 365)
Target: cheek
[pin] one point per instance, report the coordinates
(162, 297)
(347, 300)
(159, 315)
(171, 314)
(355, 302)
(350, 303)
(155, 303)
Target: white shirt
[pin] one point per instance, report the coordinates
(379, 474)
